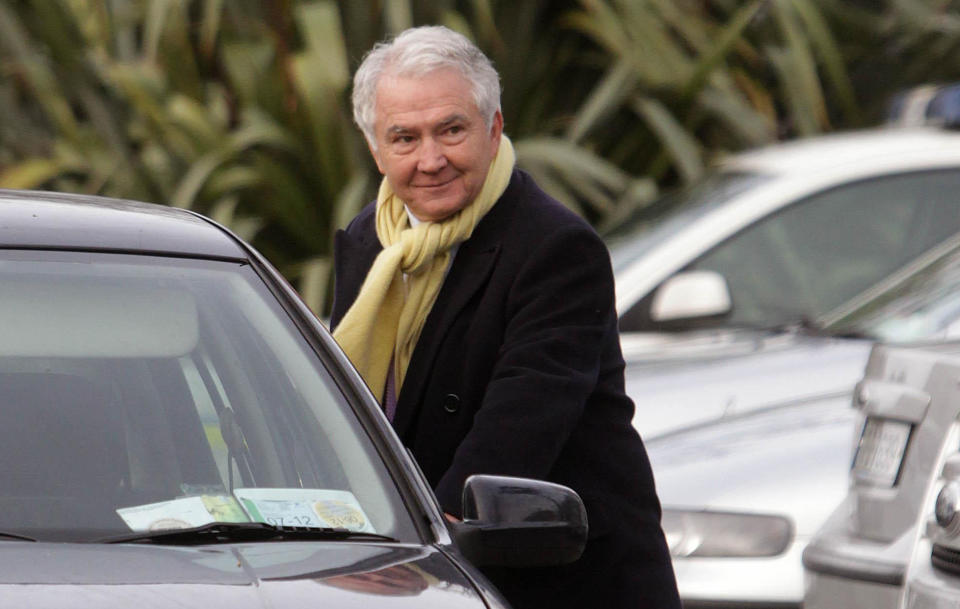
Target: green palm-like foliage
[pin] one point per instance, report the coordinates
(197, 105)
(700, 78)
(240, 109)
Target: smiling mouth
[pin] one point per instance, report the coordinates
(435, 186)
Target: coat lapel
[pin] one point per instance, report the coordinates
(471, 268)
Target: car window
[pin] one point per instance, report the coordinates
(662, 219)
(820, 252)
(141, 393)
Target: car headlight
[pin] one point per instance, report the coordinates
(947, 507)
(693, 533)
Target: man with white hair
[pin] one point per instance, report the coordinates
(482, 312)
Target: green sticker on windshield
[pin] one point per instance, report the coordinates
(298, 507)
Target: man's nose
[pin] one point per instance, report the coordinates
(432, 158)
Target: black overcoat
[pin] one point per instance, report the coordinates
(518, 372)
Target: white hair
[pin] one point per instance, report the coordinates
(417, 52)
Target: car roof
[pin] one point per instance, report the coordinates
(807, 155)
(47, 220)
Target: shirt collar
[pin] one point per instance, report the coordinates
(414, 221)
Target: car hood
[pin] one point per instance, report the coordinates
(694, 381)
(275, 575)
(792, 461)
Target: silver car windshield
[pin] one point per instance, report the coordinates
(142, 393)
(922, 303)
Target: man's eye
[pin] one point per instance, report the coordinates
(453, 133)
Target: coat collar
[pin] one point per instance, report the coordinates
(354, 254)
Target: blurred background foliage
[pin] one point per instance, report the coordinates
(239, 109)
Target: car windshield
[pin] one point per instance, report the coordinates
(145, 393)
(662, 219)
(920, 304)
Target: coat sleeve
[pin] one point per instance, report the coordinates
(559, 313)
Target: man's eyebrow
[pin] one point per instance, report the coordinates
(450, 120)
(397, 129)
(453, 118)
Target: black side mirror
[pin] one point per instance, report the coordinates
(517, 522)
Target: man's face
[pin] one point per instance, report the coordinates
(432, 143)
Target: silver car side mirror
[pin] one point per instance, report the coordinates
(690, 295)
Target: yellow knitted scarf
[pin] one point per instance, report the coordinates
(387, 317)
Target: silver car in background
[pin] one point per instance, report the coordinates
(729, 309)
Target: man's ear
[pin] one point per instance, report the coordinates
(496, 130)
(376, 157)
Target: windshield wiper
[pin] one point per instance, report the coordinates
(811, 327)
(239, 532)
(15, 536)
(805, 325)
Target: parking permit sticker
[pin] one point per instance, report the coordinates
(183, 513)
(298, 507)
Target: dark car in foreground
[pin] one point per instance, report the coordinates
(178, 429)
